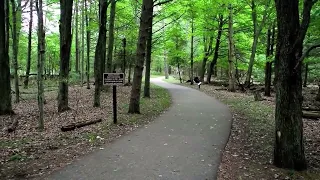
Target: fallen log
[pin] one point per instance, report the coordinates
(310, 109)
(73, 126)
(311, 115)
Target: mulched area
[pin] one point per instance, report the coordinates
(28, 153)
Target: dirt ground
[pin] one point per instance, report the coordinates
(249, 152)
(28, 153)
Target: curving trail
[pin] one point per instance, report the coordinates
(184, 143)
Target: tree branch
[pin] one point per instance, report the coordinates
(306, 54)
(161, 3)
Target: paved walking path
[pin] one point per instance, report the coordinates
(184, 143)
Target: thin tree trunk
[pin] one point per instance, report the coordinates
(88, 43)
(7, 24)
(256, 33)
(216, 50)
(207, 53)
(100, 53)
(179, 73)
(65, 46)
(41, 59)
(289, 144)
(111, 35)
(268, 67)
(191, 53)
(15, 47)
(77, 36)
(305, 74)
(146, 14)
(231, 52)
(82, 42)
(129, 73)
(26, 81)
(5, 90)
(124, 66)
(146, 91)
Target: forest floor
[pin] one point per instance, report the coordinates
(249, 152)
(28, 153)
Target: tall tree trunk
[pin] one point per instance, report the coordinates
(5, 90)
(77, 36)
(216, 50)
(100, 53)
(146, 91)
(191, 53)
(268, 67)
(65, 45)
(7, 25)
(88, 43)
(305, 74)
(26, 81)
(289, 143)
(207, 53)
(41, 59)
(124, 61)
(82, 41)
(179, 73)
(256, 33)
(15, 41)
(111, 35)
(129, 73)
(146, 14)
(231, 52)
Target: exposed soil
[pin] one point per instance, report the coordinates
(28, 153)
(249, 152)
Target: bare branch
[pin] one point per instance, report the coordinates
(306, 54)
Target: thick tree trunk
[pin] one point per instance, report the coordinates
(41, 59)
(111, 36)
(232, 57)
(216, 50)
(146, 14)
(100, 53)
(88, 43)
(146, 91)
(289, 144)
(5, 90)
(26, 81)
(65, 45)
(191, 52)
(77, 36)
(15, 41)
(179, 73)
(305, 74)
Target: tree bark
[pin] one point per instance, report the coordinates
(88, 19)
(207, 53)
(256, 33)
(82, 42)
(268, 67)
(41, 59)
(305, 74)
(318, 95)
(146, 91)
(77, 36)
(232, 57)
(26, 81)
(289, 144)
(191, 53)
(111, 36)
(65, 45)
(100, 53)
(216, 50)
(15, 43)
(5, 90)
(146, 14)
